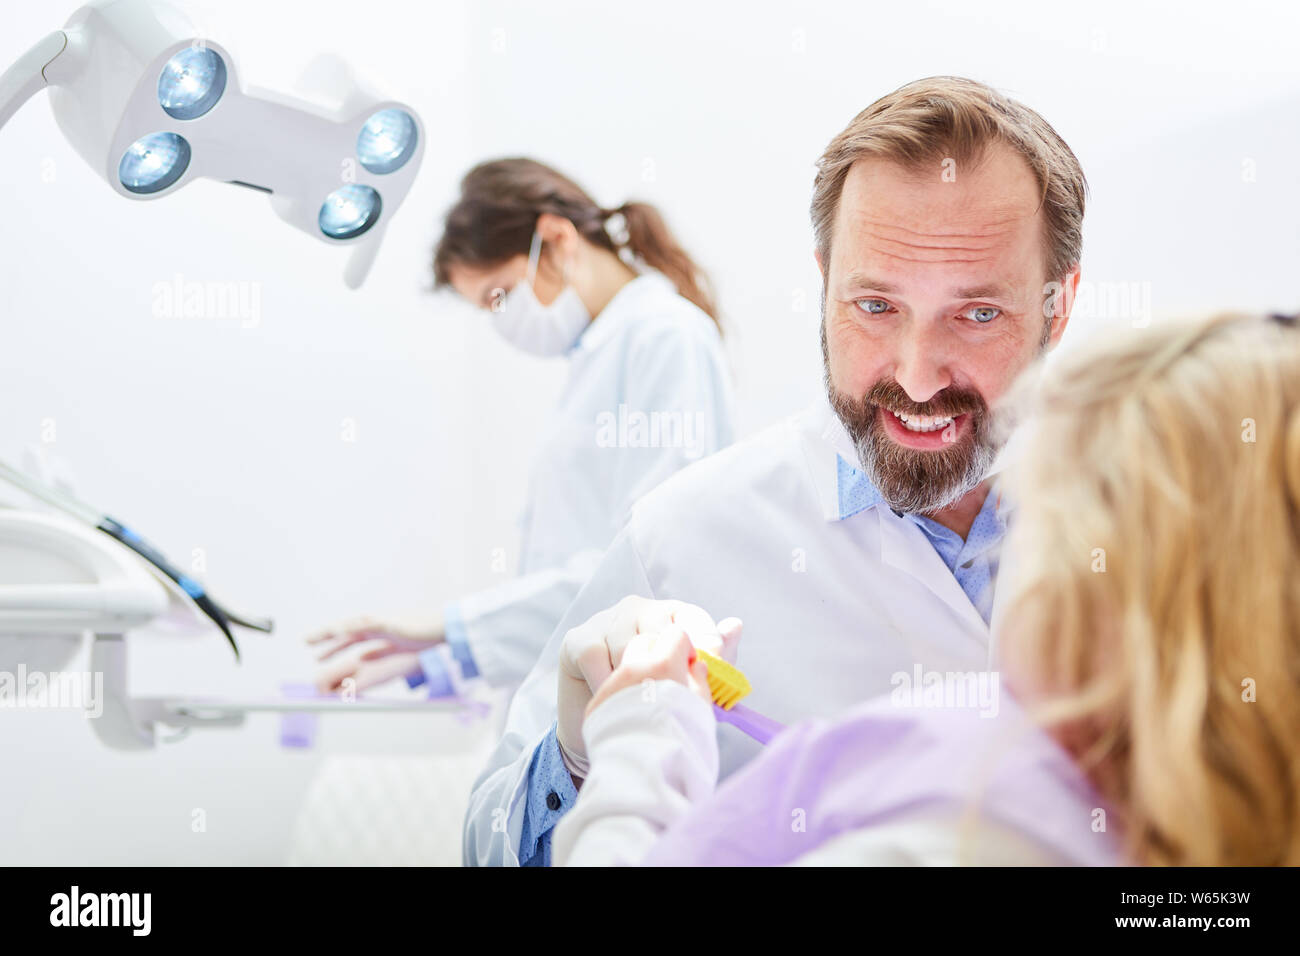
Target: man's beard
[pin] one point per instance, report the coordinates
(911, 480)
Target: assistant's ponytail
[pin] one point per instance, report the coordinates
(649, 240)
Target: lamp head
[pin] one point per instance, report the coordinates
(150, 105)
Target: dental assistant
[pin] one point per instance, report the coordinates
(610, 291)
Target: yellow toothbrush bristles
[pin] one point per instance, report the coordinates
(726, 683)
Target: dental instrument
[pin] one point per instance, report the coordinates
(120, 532)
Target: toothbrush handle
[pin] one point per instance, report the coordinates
(751, 722)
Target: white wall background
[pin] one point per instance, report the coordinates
(205, 434)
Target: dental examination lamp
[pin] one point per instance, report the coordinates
(151, 106)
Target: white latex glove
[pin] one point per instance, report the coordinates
(591, 651)
(665, 655)
(389, 647)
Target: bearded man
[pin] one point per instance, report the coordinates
(861, 537)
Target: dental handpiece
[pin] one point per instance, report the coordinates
(124, 535)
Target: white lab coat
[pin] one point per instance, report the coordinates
(649, 351)
(832, 608)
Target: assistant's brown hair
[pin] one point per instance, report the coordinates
(501, 200)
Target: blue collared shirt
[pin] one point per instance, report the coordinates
(973, 561)
(551, 794)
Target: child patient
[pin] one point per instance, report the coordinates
(1150, 637)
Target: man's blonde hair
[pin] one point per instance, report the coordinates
(1153, 611)
(949, 117)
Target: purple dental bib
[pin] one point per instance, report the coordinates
(883, 762)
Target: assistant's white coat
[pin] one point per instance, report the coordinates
(648, 353)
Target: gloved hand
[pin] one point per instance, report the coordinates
(389, 648)
(666, 655)
(591, 651)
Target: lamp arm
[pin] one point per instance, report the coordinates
(26, 77)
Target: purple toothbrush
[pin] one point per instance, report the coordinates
(749, 721)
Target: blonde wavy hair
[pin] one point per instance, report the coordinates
(1153, 611)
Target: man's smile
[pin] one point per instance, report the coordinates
(924, 432)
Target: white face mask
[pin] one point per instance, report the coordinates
(544, 330)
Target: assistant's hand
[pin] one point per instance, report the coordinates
(591, 651)
(388, 648)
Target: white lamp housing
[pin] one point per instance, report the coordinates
(151, 106)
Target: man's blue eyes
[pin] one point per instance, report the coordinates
(981, 314)
(869, 306)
